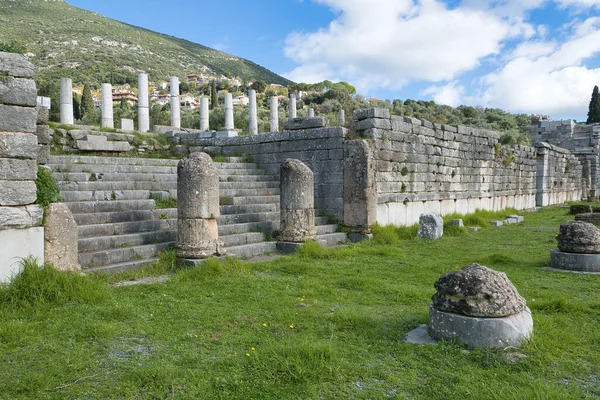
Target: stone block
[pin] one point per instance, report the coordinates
(431, 226)
(100, 143)
(43, 156)
(16, 65)
(43, 134)
(359, 115)
(496, 223)
(127, 125)
(372, 123)
(575, 261)
(20, 217)
(18, 244)
(17, 193)
(457, 223)
(226, 134)
(18, 92)
(17, 119)
(44, 102)
(60, 238)
(295, 124)
(18, 169)
(43, 115)
(478, 332)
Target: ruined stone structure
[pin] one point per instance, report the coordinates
(21, 231)
(583, 141)
(197, 207)
(578, 247)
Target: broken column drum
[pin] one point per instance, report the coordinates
(297, 202)
(197, 207)
(578, 247)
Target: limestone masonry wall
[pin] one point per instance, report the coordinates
(21, 233)
(322, 149)
(559, 176)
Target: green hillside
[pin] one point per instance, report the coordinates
(86, 46)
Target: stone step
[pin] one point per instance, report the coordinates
(124, 228)
(249, 208)
(242, 238)
(241, 200)
(97, 160)
(84, 195)
(223, 169)
(119, 216)
(131, 177)
(321, 220)
(252, 249)
(88, 207)
(267, 226)
(115, 256)
(154, 185)
(121, 267)
(93, 244)
(325, 229)
(333, 239)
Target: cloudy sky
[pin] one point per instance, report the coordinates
(532, 56)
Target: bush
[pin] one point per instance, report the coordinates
(47, 188)
(13, 47)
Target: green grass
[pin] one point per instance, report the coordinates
(321, 324)
(170, 202)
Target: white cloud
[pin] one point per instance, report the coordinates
(450, 94)
(387, 43)
(578, 3)
(538, 80)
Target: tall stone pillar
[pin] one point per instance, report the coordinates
(342, 117)
(292, 105)
(311, 113)
(204, 116)
(107, 106)
(229, 123)
(252, 113)
(297, 201)
(198, 207)
(274, 102)
(175, 105)
(66, 101)
(143, 104)
(360, 199)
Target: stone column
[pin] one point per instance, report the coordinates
(204, 115)
(252, 113)
(175, 105)
(541, 196)
(229, 123)
(66, 101)
(107, 106)
(297, 201)
(292, 106)
(360, 197)
(342, 117)
(198, 207)
(311, 113)
(143, 104)
(274, 102)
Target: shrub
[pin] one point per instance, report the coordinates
(47, 188)
(13, 47)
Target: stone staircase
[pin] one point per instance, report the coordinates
(113, 201)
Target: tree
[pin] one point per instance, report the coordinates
(213, 95)
(76, 106)
(87, 102)
(594, 109)
(259, 85)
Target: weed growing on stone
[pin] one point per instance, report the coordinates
(170, 202)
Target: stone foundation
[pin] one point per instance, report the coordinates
(575, 261)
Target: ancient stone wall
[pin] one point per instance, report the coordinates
(421, 167)
(559, 176)
(321, 149)
(21, 233)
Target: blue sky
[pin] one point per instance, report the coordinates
(532, 56)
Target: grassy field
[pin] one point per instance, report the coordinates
(320, 324)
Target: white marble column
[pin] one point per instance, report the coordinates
(175, 105)
(252, 113)
(204, 115)
(292, 105)
(66, 101)
(342, 117)
(107, 106)
(229, 123)
(143, 104)
(311, 112)
(274, 102)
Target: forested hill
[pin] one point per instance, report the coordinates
(68, 41)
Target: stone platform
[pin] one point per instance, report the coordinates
(575, 261)
(478, 332)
